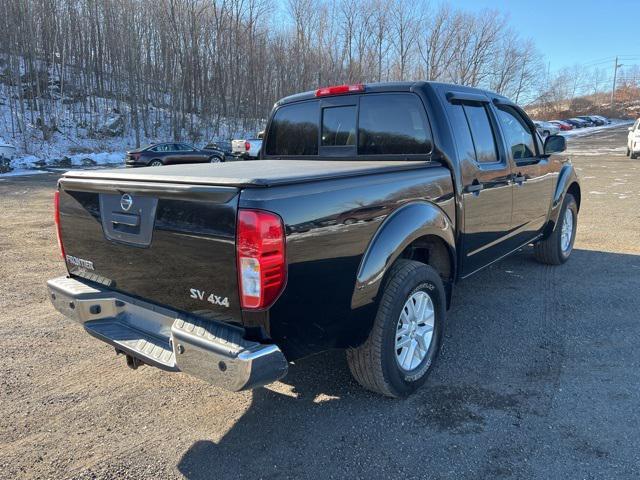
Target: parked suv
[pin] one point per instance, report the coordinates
(368, 205)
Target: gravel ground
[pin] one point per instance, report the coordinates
(539, 376)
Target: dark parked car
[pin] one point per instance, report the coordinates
(160, 154)
(221, 150)
(591, 122)
(576, 122)
(368, 205)
(598, 121)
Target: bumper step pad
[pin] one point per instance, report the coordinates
(134, 341)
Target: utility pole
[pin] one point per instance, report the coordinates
(615, 72)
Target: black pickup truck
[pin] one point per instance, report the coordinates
(369, 203)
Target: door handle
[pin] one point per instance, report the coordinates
(519, 179)
(474, 188)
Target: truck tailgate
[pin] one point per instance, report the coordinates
(237, 146)
(172, 244)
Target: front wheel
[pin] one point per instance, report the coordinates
(407, 332)
(557, 247)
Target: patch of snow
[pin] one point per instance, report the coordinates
(102, 135)
(77, 160)
(582, 132)
(22, 172)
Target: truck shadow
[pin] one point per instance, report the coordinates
(509, 333)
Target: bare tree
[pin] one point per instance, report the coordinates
(208, 67)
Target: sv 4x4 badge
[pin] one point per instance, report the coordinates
(212, 298)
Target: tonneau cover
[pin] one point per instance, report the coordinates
(256, 173)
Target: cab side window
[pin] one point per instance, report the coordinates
(517, 134)
(393, 124)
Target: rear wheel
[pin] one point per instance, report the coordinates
(155, 163)
(557, 247)
(407, 332)
(215, 159)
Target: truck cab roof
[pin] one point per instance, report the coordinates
(391, 87)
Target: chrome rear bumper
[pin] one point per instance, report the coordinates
(212, 351)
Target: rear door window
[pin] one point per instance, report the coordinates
(393, 124)
(294, 130)
(481, 132)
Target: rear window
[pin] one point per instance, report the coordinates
(381, 124)
(393, 124)
(294, 130)
(339, 126)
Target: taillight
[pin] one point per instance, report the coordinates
(262, 270)
(56, 217)
(247, 146)
(339, 89)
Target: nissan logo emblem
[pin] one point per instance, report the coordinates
(126, 202)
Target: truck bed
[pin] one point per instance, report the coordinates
(258, 173)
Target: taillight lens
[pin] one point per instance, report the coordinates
(260, 246)
(247, 146)
(56, 217)
(339, 89)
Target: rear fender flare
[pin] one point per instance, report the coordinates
(399, 230)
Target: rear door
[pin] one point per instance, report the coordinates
(533, 175)
(486, 182)
(173, 244)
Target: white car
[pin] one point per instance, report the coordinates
(633, 140)
(546, 128)
(7, 151)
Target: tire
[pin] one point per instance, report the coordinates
(628, 152)
(215, 159)
(376, 363)
(550, 250)
(633, 155)
(155, 163)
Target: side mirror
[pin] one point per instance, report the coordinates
(630, 129)
(555, 144)
(261, 135)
